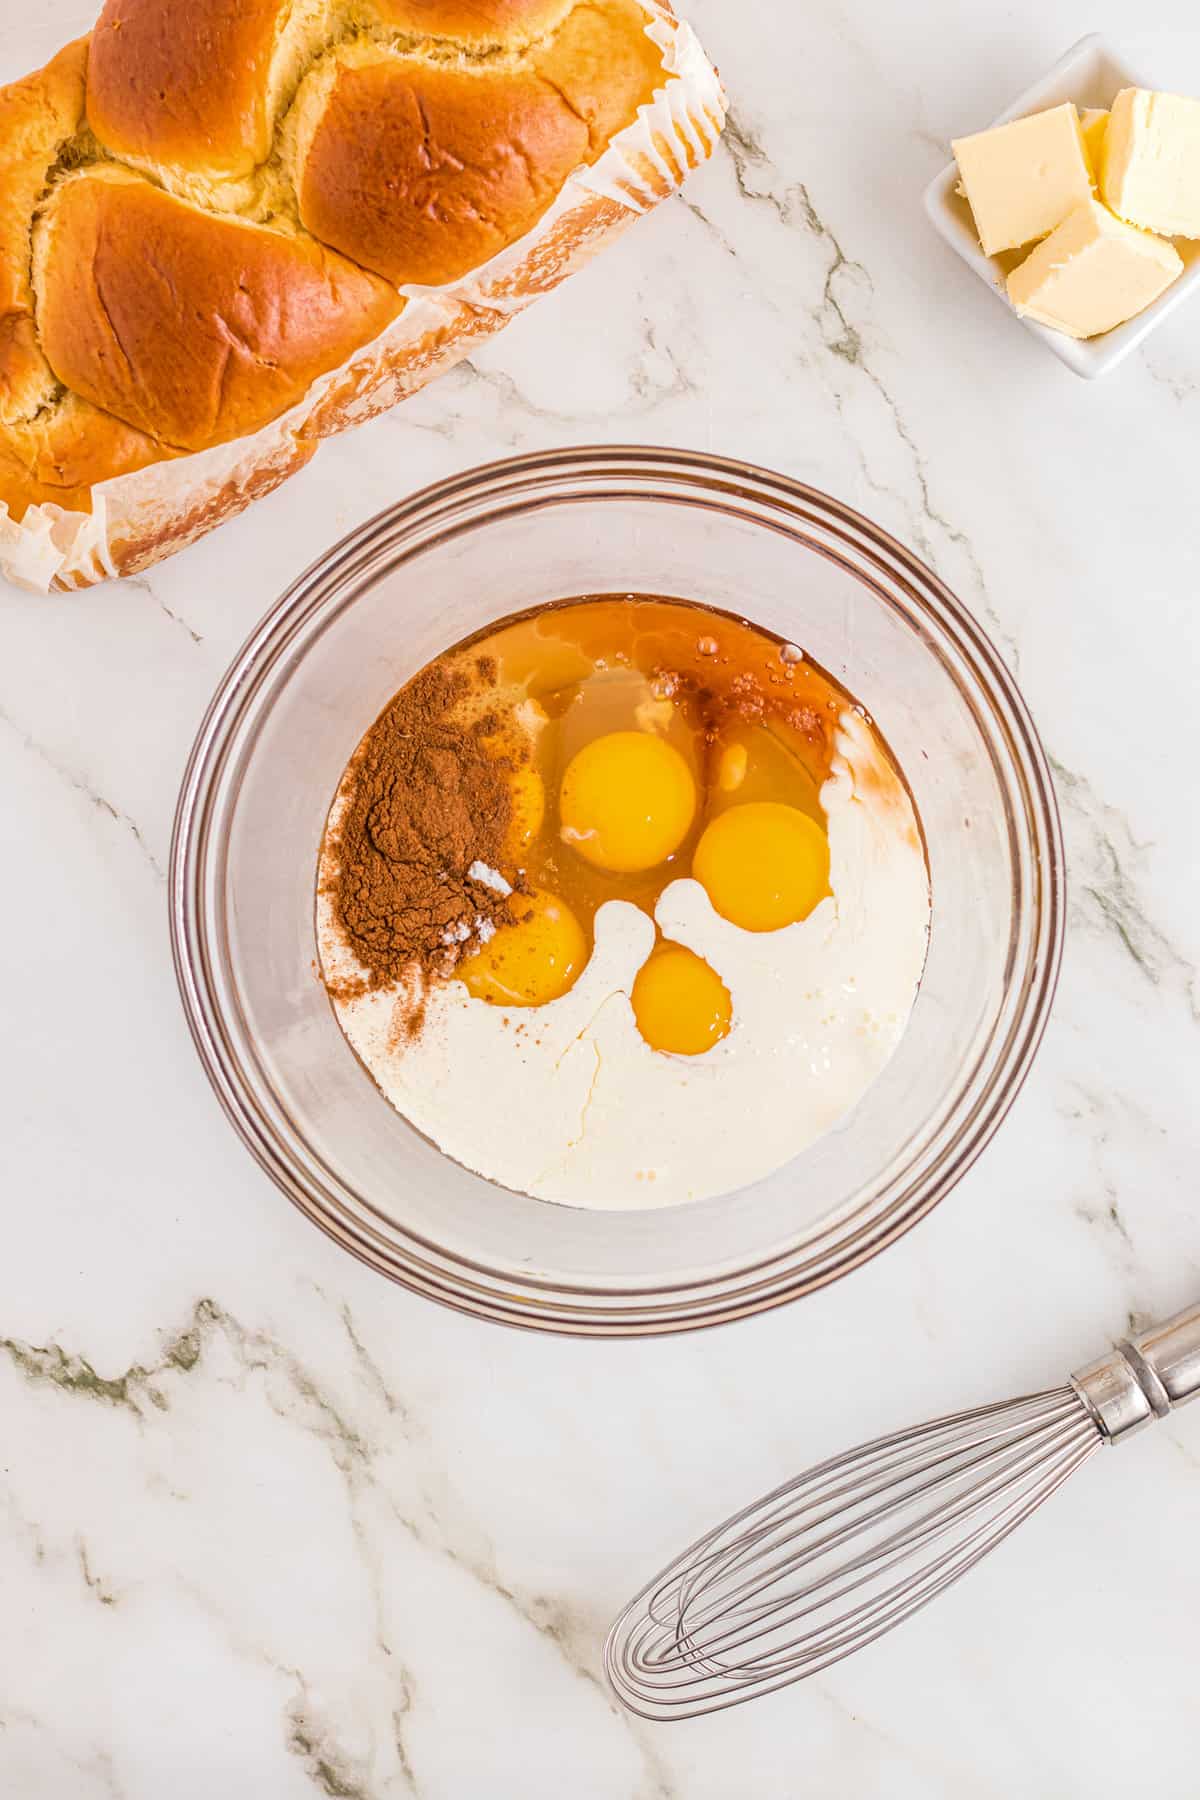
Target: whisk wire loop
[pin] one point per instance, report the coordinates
(792, 1603)
(942, 1468)
(827, 1563)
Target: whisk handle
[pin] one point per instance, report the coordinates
(1144, 1377)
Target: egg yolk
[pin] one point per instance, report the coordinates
(680, 1003)
(627, 801)
(531, 961)
(763, 865)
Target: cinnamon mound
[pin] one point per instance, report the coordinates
(424, 799)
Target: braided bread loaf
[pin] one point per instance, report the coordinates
(229, 228)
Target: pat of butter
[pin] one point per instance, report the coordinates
(1093, 272)
(1093, 124)
(1151, 167)
(1023, 178)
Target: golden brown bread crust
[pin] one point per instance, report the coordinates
(194, 329)
(604, 66)
(187, 85)
(194, 85)
(481, 24)
(211, 207)
(37, 117)
(60, 454)
(477, 152)
(53, 447)
(478, 155)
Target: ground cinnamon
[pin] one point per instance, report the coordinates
(425, 798)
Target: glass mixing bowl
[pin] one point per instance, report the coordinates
(440, 566)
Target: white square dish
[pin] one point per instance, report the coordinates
(1091, 73)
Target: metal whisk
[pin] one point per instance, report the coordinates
(829, 1562)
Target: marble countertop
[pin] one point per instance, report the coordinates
(271, 1527)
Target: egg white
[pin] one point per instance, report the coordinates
(567, 1102)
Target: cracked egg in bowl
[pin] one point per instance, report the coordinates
(616, 891)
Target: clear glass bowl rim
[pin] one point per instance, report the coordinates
(774, 501)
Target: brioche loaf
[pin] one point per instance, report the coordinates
(229, 228)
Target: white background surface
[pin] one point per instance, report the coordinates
(271, 1528)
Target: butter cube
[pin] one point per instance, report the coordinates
(1151, 168)
(1093, 124)
(1093, 272)
(1022, 179)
